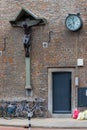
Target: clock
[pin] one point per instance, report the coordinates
(73, 22)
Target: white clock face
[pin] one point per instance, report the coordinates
(73, 22)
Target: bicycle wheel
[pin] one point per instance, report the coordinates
(21, 115)
(8, 115)
(40, 112)
(37, 113)
(1, 111)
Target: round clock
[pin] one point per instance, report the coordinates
(73, 22)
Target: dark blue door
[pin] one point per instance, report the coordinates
(61, 92)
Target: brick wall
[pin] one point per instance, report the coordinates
(63, 49)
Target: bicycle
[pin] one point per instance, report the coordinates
(32, 111)
(10, 112)
(3, 109)
(37, 110)
(14, 110)
(21, 110)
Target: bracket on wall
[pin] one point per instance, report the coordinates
(50, 33)
(4, 45)
(5, 42)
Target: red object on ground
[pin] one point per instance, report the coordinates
(76, 113)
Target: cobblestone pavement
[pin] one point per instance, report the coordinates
(18, 128)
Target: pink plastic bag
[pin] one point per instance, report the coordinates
(76, 113)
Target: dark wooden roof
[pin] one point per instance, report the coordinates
(27, 16)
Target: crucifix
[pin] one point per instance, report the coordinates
(27, 38)
(26, 19)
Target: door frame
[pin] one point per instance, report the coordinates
(50, 96)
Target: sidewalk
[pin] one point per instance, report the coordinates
(46, 123)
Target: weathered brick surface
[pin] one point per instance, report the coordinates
(63, 50)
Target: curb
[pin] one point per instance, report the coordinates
(45, 127)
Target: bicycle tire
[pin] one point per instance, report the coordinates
(7, 116)
(1, 112)
(40, 112)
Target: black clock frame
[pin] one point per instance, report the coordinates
(81, 23)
